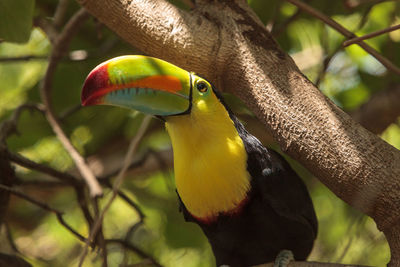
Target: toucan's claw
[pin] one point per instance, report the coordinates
(283, 259)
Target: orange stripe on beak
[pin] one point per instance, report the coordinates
(160, 82)
(166, 83)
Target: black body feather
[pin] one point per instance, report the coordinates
(278, 214)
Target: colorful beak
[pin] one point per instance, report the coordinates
(147, 84)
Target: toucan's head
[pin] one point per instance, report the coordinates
(207, 146)
(147, 84)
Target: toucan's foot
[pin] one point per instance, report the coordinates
(283, 258)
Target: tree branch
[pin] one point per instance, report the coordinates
(44, 206)
(175, 35)
(25, 162)
(328, 58)
(370, 35)
(48, 28)
(339, 28)
(130, 202)
(23, 58)
(10, 238)
(226, 42)
(59, 49)
(148, 162)
(135, 249)
(9, 127)
(100, 234)
(60, 12)
(118, 182)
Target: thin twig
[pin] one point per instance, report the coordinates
(129, 234)
(133, 205)
(364, 18)
(60, 12)
(41, 183)
(134, 164)
(80, 195)
(128, 158)
(45, 207)
(9, 126)
(135, 249)
(370, 35)
(329, 58)
(68, 58)
(356, 4)
(22, 58)
(270, 24)
(60, 48)
(79, 190)
(325, 64)
(25, 162)
(10, 238)
(131, 151)
(100, 235)
(128, 200)
(69, 111)
(355, 223)
(47, 27)
(279, 29)
(339, 28)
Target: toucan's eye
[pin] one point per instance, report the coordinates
(202, 87)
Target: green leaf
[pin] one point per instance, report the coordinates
(16, 20)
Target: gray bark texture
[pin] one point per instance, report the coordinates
(225, 42)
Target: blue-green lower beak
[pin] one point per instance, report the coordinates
(146, 84)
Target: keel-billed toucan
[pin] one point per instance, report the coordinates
(246, 198)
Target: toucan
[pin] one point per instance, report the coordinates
(246, 198)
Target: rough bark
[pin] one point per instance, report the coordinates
(226, 42)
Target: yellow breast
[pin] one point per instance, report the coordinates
(210, 160)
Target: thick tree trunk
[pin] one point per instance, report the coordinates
(225, 42)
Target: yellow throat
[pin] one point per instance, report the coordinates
(210, 160)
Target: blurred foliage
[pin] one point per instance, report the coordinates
(16, 22)
(350, 79)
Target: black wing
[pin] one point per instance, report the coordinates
(276, 182)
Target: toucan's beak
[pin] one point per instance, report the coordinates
(147, 84)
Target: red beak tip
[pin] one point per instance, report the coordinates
(92, 100)
(95, 81)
